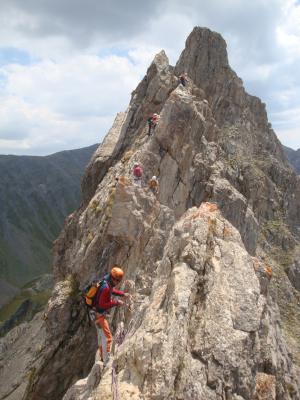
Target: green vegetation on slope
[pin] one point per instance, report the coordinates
(36, 194)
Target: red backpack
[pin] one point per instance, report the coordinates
(137, 171)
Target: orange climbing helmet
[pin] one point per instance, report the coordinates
(117, 273)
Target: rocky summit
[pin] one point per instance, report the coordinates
(212, 259)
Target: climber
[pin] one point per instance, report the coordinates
(149, 121)
(153, 185)
(152, 122)
(155, 118)
(183, 79)
(102, 304)
(137, 174)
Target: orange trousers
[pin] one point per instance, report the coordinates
(106, 336)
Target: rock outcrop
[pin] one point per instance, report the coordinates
(216, 312)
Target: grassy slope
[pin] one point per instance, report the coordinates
(36, 194)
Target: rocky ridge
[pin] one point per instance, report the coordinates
(216, 312)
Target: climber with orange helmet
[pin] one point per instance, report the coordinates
(103, 302)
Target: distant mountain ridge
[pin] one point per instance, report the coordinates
(293, 157)
(36, 194)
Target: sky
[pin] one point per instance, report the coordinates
(68, 66)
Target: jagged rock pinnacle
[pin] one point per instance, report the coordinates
(204, 56)
(161, 60)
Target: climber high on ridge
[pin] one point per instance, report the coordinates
(152, 122)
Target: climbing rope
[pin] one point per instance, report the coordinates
(114, 383)
(119, 339)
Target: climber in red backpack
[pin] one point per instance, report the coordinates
(102, 304)
(137, 174)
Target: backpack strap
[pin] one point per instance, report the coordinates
(102, 285)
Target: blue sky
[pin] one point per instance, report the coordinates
(10, 55)
(67, 67)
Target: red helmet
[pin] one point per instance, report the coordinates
(117, 273)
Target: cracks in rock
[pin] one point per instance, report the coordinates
(191, 201)
(177, 377)
(179, 179)
(162, 151)
(165, 151)
(174, 191)
(164, 301)
(198, 356)
(202, 289)
(171, 262)
(223, 379)
(107, 251)
(16, 386)
(210, 248)
(199, 184)
(149, 377)
(190, 265)
(153, 222)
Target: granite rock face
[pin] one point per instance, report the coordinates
(203, 332)
(215, 315)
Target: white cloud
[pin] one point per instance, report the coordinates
(289, 136)
(288, 32)
(292, 115)
(64, 105)
(286, 125)
(69, 96)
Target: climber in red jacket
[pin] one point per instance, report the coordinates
(102, 304)
(137, 174)
(152, 122)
